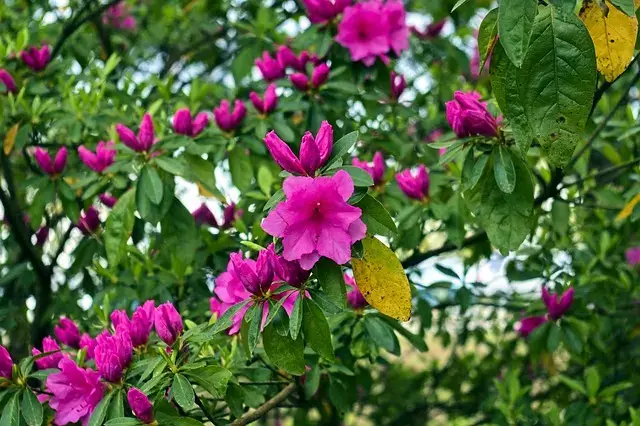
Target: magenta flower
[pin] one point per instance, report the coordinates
(88, 343)
(527, 325)
(184, 125)
(100, 160)
(256, 275)
(142, 322)
(140, 405)
(168, 323)
(108, 200)
(118, 16)
(355, 299)
(398, 84)
(319, 11)
(230, 214)
(319, 76)
(414, 185)
(6, 363)
(36, 59)
(203, 216)
(120, 320)
(42, 234)
(267, 103)
(633, 256)
(433, 30)
(375, 169)
(467, 116)
(228, 120)
(145, 138)
(89, 221)
(557, 306)
(288, 59)
(7, 80)
(398, 30)
(270, 67)
(52, 168)
(113, 354)
(314, 152)
(315, 219)
(435, 135)
(67, 332)
(48, 361)
(76, 392)
(289, 272)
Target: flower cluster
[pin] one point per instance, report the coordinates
(557, 306)
(118, 16)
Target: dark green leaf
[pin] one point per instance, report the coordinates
(515, 24)
(99, 414)
(380, 333)
(11, 412)
(295, 320)
(179, 231)
(487, 34)
(254, 327)
(119, 227)
(240, 168)
(283, 351)
(341, 147)
(151, 184)
(331, 279)
(226, 320)
(316, 329)
(182, 392)
(312, 381)
(626, 6)
(503, 169)
(123, 421)
(376, 217)
(31, 408)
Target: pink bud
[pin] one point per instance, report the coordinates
(120, 319)
(375, 169)
(128, 137)
(230, 214)
(199, 123)
(320, 75)
(414, 185)
(89, 221)
(633, 256)
(268, 103)
(182, 122)
(7, 80)
(6, 363)
(168, 323)
(287, 59)
(269, 67)
(142, 323)
(282, 154)
(557, 307)
(289, 272)
(44, 160)
(324, 140)
(225, 119)
(36, 59)
(67, 332)
(146, 132)
(398, 84)
(88, 343)
(108, 200)
(60, 161)
(140, 405)
(49, 361)
(528, 324)
(204, 216)
(354, 297)
(300, 81)
(320, 11)
(309, 154)
(113, 354)
(469, 117)
(42, 234)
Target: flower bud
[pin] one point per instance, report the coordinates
(557, 307)
(469, 117)
(528, 324)
(414, 185)
(168, 323)
(182, 122)
(266, 104)
(228, 120)
(88, 343)
(398, 84)
(6, 364)
(140, 405)
(36, 59)
(142, 323)
(49, 361)
(108, 200)
(320, 75)
(203, 216)
(7, 80)
(300, 81)
(269, 67)
(68, 332)
(355, 299)
(113, 354)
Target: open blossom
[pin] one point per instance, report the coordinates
(314, 152)
(100, 160)
(319, 76)
(324, 10)
(67, 332)
(36, 59)
(256, 275)
(414, 185)
(267, 103)
(7, 80)
(226, 119)
(398, 84)
(557, 305)
(6, 363)
(76, 392)
(50, 361)
(140, 405)
(89, 221)
(433, 30)
(183, 124)
(355, 299)
(203, 216)
(108, 200)
(398, 30)
(168, 323)
(315, 219)
(88, 343)
(633, 256)
(113, 354)
(288, 59)
(527, 325)
(469, 117)
(51, 167)
(118, 16)
(375, 169)
(270, 67)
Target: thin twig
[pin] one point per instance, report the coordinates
(601, 173)
(266, 407)
(200, 404)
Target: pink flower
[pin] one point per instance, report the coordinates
(527, 325)
(145, 138)
(103, 158)
(168, 323)
(184, 125)
(289, 272)
(142, 322)
(270, 67)
(354, 297)
(435, 135)
(320, 11)
(6, 363)
(266, 104)
(113, 354)
(88, 343)
(414, 185)
(557, 306)
(120, 320)
(7, 80)
(203, 216)
(314, 152)
(633, 256)
(433, 30)
(36, 59)
(140, 405)
(42, 234)
(52, 168)
(67, 332)
(398, 30)
(118, 17)
(375, 169)
(89, 221)
(76, 392)
(108, 200)
(398, 84)
(318, 78)
(288, 59)
(315, 219)
(230, 214)
(256, 275)
(469, 117)
(228, 120)
(48, 361)
(474, 64)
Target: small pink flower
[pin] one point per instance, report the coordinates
(289, 272)
(36, 59)
(315, 219)
(230, 214)
(118, 16)
(48, 361)
(88, 343)
(168, 323)
(270, 67)
(267, 103)
(76, 392)
(145, 138)
(7, 80)
(203, 216)
(527, 325)
(557, 306)
(398, 84)
(414, 185)
(288, 59)
(67, 332)
(100, 160)
(184, 125)
(52, 168)
(113, 354)
(469, 117)
(140, 405)
(256, 275)
(354, 297)
(398, 30)
(42, 234)
(435, 135)
(228, 120)
(319, 76)
(108, 200)
(433, 30)
(375, 169)
(89, 221)
(633, 256)
(319, 11)
(6, 363)
(142, 322)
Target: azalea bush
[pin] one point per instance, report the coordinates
(319, 212)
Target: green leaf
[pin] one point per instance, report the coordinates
(295, 320)
(226, 320)
(31, 408)
(331, 280)
(170, 165)
(554, 337)
(119, 227)
(11, 412)
(265, 180)
(100, 412)
(241, 169)
(557, 81)
(45, 195)
(179, 231)
(503, 169)
(359, 176)
(342, 147)
(254, 327)
(487, 34)
(418, 342)
(182, 392)
(214, 379)
(116, 408)
(275, 199)
(149, 211)
(560, 213)
(376, 217)
(312, 381)
(316, 329)
(626, 6)
(458, 4)
(123, 421)
(342, 86)
(381, 333)
(592, 380)
(151, 184)
(471, 175)
(573, 384)
(515, 24)
(283, 351)
(572, 340)
(614, 389)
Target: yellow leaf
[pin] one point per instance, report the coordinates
(628, 209)
(382, 280)
(614, 37)
(10, 139)
(203, 191)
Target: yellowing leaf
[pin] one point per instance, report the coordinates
(382, 280)
(628, 209)
(10, 139)
(203, 191)
(614, 37)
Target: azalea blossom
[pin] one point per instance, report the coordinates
(183, 124)
(269, 67)
(49, 361)
(557, 305)
(470, 117)
(319, 11)
(6, 363)
(226, 119)
(266, 103)
(145, 138)
(100, 160)
(67, 332)
(36, 58)
(415, 184)
(527, 325)
(355, 299)
(375, 169)
(319, 76)
(8, 81)
(52, 168)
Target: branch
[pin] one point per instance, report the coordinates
(266, 407)
(418, 258)
(604, 172)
